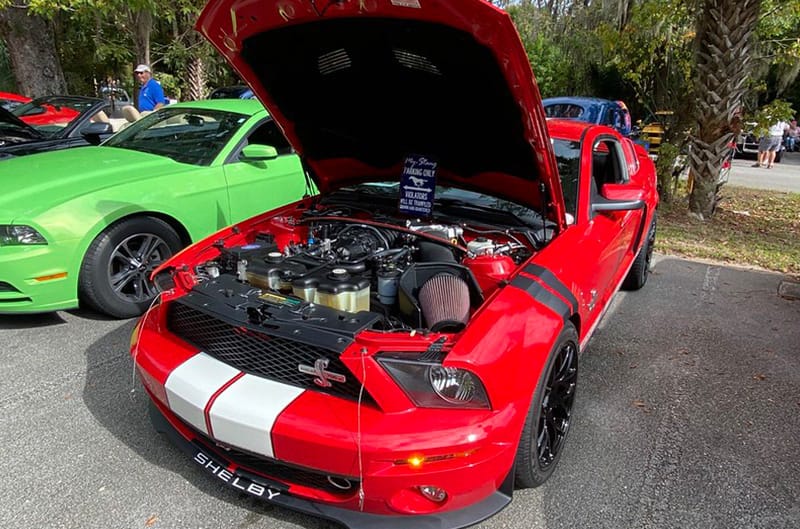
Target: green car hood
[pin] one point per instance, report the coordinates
(35, 183)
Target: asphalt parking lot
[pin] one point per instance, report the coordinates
(784, 176)
(688, 416)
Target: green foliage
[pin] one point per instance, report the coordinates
(769, 114)
(563, 52)
(170, 84)
(666, 163)
(654, 54)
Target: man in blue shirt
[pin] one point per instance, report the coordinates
(151, 95)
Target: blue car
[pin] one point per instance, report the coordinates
(590, 109)
(232, 92)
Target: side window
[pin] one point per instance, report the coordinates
(630, 156)
(608, 164)
(268, 133)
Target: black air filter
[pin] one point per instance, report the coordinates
(444, 299)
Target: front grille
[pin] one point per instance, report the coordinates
(260, 354)
(6, 287)
(282, 472)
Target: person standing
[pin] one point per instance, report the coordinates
(792, 136)
(769, 145)
(151, 95)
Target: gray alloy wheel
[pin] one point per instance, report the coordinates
(115, 275)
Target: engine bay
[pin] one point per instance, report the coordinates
(407, 274)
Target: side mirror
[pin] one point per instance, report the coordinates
(258, 153)
(618, 197)
(94, 133)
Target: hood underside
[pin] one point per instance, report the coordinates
(359, 86)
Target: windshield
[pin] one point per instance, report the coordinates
(186, 135)
(572, 111)
(450, 202)
(51, 115)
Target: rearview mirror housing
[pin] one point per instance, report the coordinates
(94, 133)
(618, 197)
(258, 153)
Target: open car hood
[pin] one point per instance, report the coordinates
(360, 85)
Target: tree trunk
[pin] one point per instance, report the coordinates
(142, 24)
(31, 46)
(723, 61)
(142, 29)
(195, 80)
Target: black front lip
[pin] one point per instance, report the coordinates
(277, 494)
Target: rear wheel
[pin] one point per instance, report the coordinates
(637, 275)
(550, 414)
(115, 274)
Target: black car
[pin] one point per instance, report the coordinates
(55, 122)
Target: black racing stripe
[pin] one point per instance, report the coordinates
(553, 282)
(542, 295)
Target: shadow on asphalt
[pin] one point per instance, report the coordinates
(30, 321)
(47, 319)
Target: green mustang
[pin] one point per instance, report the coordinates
(90, 224)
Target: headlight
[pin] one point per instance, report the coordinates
(432, 385)
(12, 235)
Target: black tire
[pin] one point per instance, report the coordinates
(115, 275)
(550, 415)
(640, 270)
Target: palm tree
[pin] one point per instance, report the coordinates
(724, 60)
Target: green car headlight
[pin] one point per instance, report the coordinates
(16, 234)
(431, 385)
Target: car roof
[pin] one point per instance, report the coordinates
(567, 129)
(577, 100)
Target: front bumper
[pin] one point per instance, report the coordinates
(215, 462)
(23, 288)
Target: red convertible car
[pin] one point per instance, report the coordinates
(401, 350)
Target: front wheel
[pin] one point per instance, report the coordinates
(115, 274)
(550, 415)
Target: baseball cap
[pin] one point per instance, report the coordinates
(142, 68)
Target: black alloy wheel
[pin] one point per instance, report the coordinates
(556, 413)
(550, 415)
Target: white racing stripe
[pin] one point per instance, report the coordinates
(191, 385)
(243, 415)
